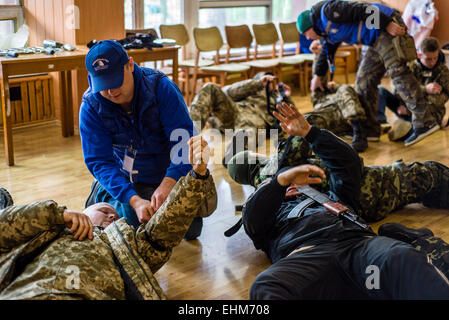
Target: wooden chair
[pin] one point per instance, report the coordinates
(341, 62)
(296, 63)
(240, 37)
(178, 32)
(207, 40)
(266, 34)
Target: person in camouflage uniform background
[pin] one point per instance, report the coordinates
(432, 73)
(380, 58)
(41, 259)
(389, 50)
(337, 108)
(240, 106)
(384, 189)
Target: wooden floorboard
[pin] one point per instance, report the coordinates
(212, 267)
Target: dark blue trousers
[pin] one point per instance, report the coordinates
(361, 268)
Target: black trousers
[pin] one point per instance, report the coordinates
(362, 268)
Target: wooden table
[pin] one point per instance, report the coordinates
(158, 54)
(64, 63)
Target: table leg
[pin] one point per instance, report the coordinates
(175, 68)
(6, 103)
(66, 103)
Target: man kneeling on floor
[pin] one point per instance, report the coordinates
(320, 249)
(50, 252)
(432, 73)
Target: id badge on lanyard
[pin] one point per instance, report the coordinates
(128, 163)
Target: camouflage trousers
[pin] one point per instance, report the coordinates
(382, 57)
(212, 102)
(212, 105)
(334, 111)
(384, 189)
(437, 250)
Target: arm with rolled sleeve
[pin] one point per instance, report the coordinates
(177, 125)
(98, 155)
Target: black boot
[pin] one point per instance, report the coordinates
(238, 144)
(195, 229)
(399, 232)
(359, 142)
(5, 199)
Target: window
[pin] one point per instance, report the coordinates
(9, 2)
(7, 26)
(144, 14)
(222, 13)
(11, 16)
(282, 11)
(129, 14)
(157, 12)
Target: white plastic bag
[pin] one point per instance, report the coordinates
(420, 17)
(15, 40)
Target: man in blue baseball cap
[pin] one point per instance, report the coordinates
(134, 127)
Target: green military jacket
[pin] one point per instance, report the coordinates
(439, 74)
(39, 259)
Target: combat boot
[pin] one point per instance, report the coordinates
(359, 142)
(402, 233)
(238, 144)
(5, 199)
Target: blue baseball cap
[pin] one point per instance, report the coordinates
(105, 62)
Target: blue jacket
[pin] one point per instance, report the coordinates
(348, 23)
(349, 31)
(107, 132)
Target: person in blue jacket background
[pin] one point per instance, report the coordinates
(134, 127)
(390, 48)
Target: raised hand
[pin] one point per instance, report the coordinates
(199, 154)
(291, 120)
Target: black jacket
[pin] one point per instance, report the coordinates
(265, 213)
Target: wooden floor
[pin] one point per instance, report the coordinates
(212, 267)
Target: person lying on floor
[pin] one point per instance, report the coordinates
(50, 252)
(318, 245)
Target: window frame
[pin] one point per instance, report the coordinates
(138, 19)
(214, 4)
(13, 12)
(13, 19)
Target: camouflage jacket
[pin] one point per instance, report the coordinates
(251, 99)
(439, 74)
(40, 260)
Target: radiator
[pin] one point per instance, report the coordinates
(32, 100)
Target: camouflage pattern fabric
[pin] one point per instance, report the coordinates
(242, 105)
(380, 58)
(437, 250)
(212, 102)
(384, 189)
(336, 109)
(51, 265)
(440, 74)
